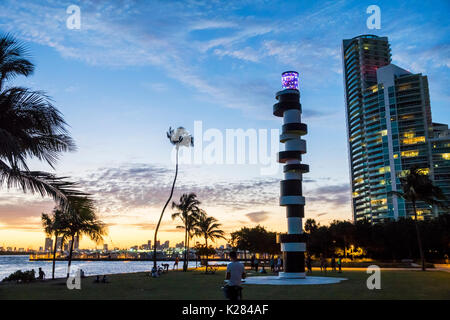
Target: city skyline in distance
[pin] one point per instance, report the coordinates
(96, 118)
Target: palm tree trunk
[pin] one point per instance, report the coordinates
(54, 256)
(185, 250)
(206, 246)
(419, 241)
(70, 256)
(162, 213)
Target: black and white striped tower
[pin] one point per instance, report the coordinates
(293, 244)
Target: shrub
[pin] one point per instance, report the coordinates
(21, 276)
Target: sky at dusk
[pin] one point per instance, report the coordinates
(137, 67)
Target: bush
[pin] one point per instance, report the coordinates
(21, 276)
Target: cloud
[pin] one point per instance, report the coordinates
(336, 195)
(257, 216)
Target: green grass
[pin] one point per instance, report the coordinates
(196, 285)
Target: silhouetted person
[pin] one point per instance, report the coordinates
(97, 279)
(279, 264)
(176, 263)
(104, 280)
(41, 274)
(235, 274)
(322, 262)
(308, 264)
(272, 264)
(256, 263)
(333, 264)
(339, 263)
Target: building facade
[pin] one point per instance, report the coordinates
(389, 129)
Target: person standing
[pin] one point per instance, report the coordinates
(322, 262)
(308, 264)
(339, 263)
(333, 264)
(272, 264)
(235, 274)
(252, 262)
(176, 263)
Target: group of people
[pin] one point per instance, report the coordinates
(334, 264)
(276, 264)
(103, 280)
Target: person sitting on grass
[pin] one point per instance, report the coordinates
(104, 280)
(155, 273)
(97, 279)
(235, 274)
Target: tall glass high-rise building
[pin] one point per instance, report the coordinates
(389, 129)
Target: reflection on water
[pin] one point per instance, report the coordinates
(10, 264)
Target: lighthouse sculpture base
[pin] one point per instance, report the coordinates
(291, 275)
(278, 281)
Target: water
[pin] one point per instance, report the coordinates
(10, 264)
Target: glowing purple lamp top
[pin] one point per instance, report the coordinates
(289, 80)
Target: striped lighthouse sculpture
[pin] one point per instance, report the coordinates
(293, 244)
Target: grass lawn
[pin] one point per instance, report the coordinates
(196, 285)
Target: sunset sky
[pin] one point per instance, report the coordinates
(135, 68)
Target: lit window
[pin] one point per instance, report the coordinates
(413, 140)
(378, 202)
(383, 132)
(404, 87)
(384, 169)
(410, 153)
(446, 156)
(395, 155)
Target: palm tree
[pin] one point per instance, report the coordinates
(55, 226)
(208, 228)
(13, 59)
(30, 127)
(82, 220)
(417, 186)
(179, 137)
(188, 212)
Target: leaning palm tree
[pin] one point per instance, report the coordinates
(417, 186)
(82, 220)
(188, 212)
(208, 228)
(30, 127)
(54, 226)
(179, 137)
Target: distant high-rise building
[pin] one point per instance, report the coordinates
(48, 246)
(158, 244)
(389, 129)
(105, 247)
(180, 245)
(149, 244)
(76, 243)
(59, 244)
(165, 245)
(440, 152)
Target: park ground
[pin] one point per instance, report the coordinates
(194, 284)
